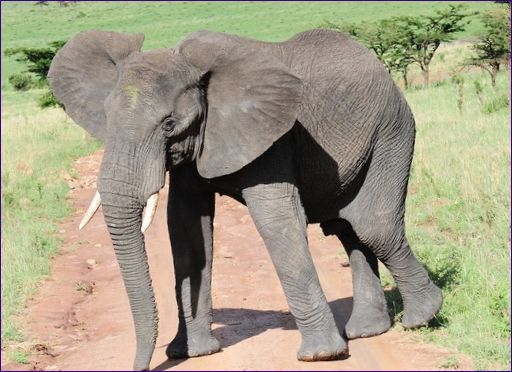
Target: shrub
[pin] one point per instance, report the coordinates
(21, 82)
(48, 100)
(496, 104)
(38, 60)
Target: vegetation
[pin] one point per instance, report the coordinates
(36, 148)
(165, 23)
(387, 38)
(38, 62)
(459, 201)
(493, 47)
(21, 81)
(424, 34)
(401, 41)
(459, 81)
(458, 217)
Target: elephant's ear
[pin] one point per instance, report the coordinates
(252, 98)
(84, 72)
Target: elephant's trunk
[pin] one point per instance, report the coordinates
(123, 216)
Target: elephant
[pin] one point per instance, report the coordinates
(311, 130)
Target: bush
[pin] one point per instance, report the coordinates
(48, 100)
(21, 82)
(38, 60)
(496, 104)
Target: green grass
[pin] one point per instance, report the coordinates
(36, 147)
(19, 356)
(458, 205)
(165, 23)
(458, 219)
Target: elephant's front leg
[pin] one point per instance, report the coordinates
(190, 218)
(279, 217)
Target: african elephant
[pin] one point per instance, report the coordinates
(310, 130)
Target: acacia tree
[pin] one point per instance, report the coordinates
(399, 42)
(493, 47)
(423, 34)
(38, 61)
(387, 39)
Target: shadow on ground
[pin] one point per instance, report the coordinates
(241, 324)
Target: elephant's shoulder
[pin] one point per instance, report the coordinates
(206, 39)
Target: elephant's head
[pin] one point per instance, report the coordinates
(216, 100)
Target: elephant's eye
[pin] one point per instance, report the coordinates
(168, 123)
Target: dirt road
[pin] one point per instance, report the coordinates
(80, 318)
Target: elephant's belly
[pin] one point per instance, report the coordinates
(329, 176)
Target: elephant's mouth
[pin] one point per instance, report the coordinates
(149, 212)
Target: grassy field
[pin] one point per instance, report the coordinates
(459, 201)
(458, 214)
(164, 23)
(37, 147)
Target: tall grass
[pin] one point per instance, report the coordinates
(36, 148)
(458, 215)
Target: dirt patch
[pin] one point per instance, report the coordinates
(80, 318)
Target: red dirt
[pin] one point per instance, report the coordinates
(80, 318)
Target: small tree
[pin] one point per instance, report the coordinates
(400, 54)
(386, 39)
(424, 34)
(493, 49)
(401, 41)
(38, 60)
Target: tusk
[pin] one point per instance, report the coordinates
(149, 213)
(95, 204)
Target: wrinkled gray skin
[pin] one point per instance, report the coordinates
(311, 130)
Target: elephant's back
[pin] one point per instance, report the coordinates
(348, 97)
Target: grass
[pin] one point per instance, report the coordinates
(36, 147)
(459, 201)
(165, 23)
(458, 219)
(19, 356)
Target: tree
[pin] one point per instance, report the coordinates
(399, 60)
(399, 42)
(38, 60)
(424, 34)
(493, 47)
(386, 39)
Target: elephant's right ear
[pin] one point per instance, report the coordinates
(84, 72)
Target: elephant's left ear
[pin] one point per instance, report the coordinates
(253, 100)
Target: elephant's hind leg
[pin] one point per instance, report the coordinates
(377, 217)
(378, 221)
(422, 299)
(369, 313)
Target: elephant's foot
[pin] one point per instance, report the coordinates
(367, 320)
(192, 345)
(422, 306)
(322, 345)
